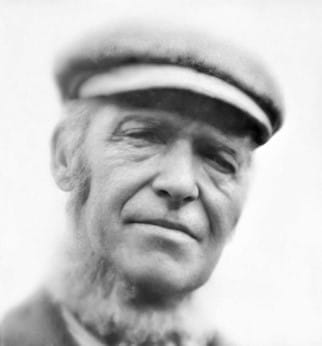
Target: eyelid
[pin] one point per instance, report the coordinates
(139, 120)
(142, 130)
(225, 166)
(217, 154)
(127, 121)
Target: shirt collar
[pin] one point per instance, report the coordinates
(82, 336)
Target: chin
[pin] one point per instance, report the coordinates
(160, 274)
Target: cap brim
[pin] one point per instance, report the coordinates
(145, 76)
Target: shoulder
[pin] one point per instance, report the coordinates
(37, 322)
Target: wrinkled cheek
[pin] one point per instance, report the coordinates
(224, 213)
(212, 254)
(223, 201)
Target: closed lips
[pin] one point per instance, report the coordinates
(176, 226)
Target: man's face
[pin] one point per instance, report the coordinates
(166, 190)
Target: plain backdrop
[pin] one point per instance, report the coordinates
(267, 289)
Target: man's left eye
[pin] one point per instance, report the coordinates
(221, 163)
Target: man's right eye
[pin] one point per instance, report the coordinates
(145, 135)
(140, 132)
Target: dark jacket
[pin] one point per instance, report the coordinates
(39, 322)
(36, 323)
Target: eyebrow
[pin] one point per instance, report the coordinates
(145, 118)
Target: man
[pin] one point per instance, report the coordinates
(155, 149)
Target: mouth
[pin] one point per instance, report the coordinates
(168, 224)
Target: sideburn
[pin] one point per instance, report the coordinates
(81, 190)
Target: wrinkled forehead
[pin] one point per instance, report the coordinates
(188, 106)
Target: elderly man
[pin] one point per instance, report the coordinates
(155, 149)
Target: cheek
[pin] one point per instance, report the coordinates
(112, 185)
(214, 249)
(224, 208)
(119, 172)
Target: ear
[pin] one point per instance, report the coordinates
(61, 160)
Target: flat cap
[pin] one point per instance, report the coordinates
(138, 56)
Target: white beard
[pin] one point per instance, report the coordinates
(97, 296)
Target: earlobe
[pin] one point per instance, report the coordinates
(61, 160)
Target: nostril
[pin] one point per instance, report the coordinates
(174, 197)
(163, 193)
(189, 199)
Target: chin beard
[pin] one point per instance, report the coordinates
(102, 301)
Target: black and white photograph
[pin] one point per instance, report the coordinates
(161, 173)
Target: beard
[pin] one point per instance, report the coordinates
(102, 300)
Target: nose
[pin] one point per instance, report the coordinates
(176, 178)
